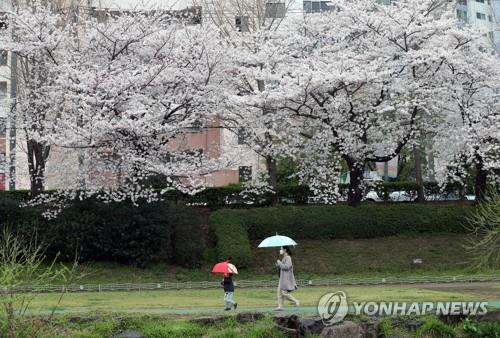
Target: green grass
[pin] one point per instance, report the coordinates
(193, 301)
(378, 255)
(153, 327)
(442, 254)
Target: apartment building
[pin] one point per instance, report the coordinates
(484, 14)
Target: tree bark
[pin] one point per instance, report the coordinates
(272, 180)
(37, 160)
(480, 180)
(272, 169)
(418, 174)
(355, 189)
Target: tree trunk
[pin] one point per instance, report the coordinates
(272, 180)
(356, 173)
(37, 159)
(431, 160)
(272, 169)
(418, 174)
(481, 180)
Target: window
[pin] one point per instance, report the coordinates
(462, 2)
(481, 1)
(462, 15)
(3, 57)
(196, 127)
(275, 10)
(481, 16)
(490, 35)
(242, 136)
(490, 18)
(245, 173)
(3, 21)
(3, 127)
(317, 6)
(3, 90)
(241, 23)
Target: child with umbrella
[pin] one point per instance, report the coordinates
(228, 270)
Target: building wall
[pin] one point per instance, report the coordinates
(480, 13)
(496, 17)
(222, 144)
(4, 112)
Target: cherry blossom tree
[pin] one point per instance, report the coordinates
(119, 96)
(468, 139)
(133, 86)
(365, 79)
(244, 25)
(37, 35)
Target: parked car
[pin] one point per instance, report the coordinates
(402, 196)
(372, 196)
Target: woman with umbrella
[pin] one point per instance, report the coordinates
(287, 279)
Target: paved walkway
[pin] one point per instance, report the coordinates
(303, 310)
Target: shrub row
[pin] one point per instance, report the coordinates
(231, 196)
(119, 232)
(231, 236)
(235, 228)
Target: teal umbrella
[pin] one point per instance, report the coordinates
(276, 241)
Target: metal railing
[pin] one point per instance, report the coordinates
(245, 284)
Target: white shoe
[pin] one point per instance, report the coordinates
(278, 309)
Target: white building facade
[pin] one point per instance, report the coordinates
(5, 105)
(484, 14)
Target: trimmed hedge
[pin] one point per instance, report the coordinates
(366, 221)
(119, 232)
(230, 196)
(239, 226)
(188, 245)
(231, 237)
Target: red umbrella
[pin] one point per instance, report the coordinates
(224, 267)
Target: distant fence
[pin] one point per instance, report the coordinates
(247, 284)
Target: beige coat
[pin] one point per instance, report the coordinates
(287, 279)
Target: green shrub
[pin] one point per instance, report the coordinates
(484, 244)
(188, 238)
(171, 329)
(118, 231)
(342, 221)
(231, 236)
(435, 328)
(475, 329)
(265, 328)
(386, 328)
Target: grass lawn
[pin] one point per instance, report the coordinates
(193, 301)
(159, 326)
(441, 254)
